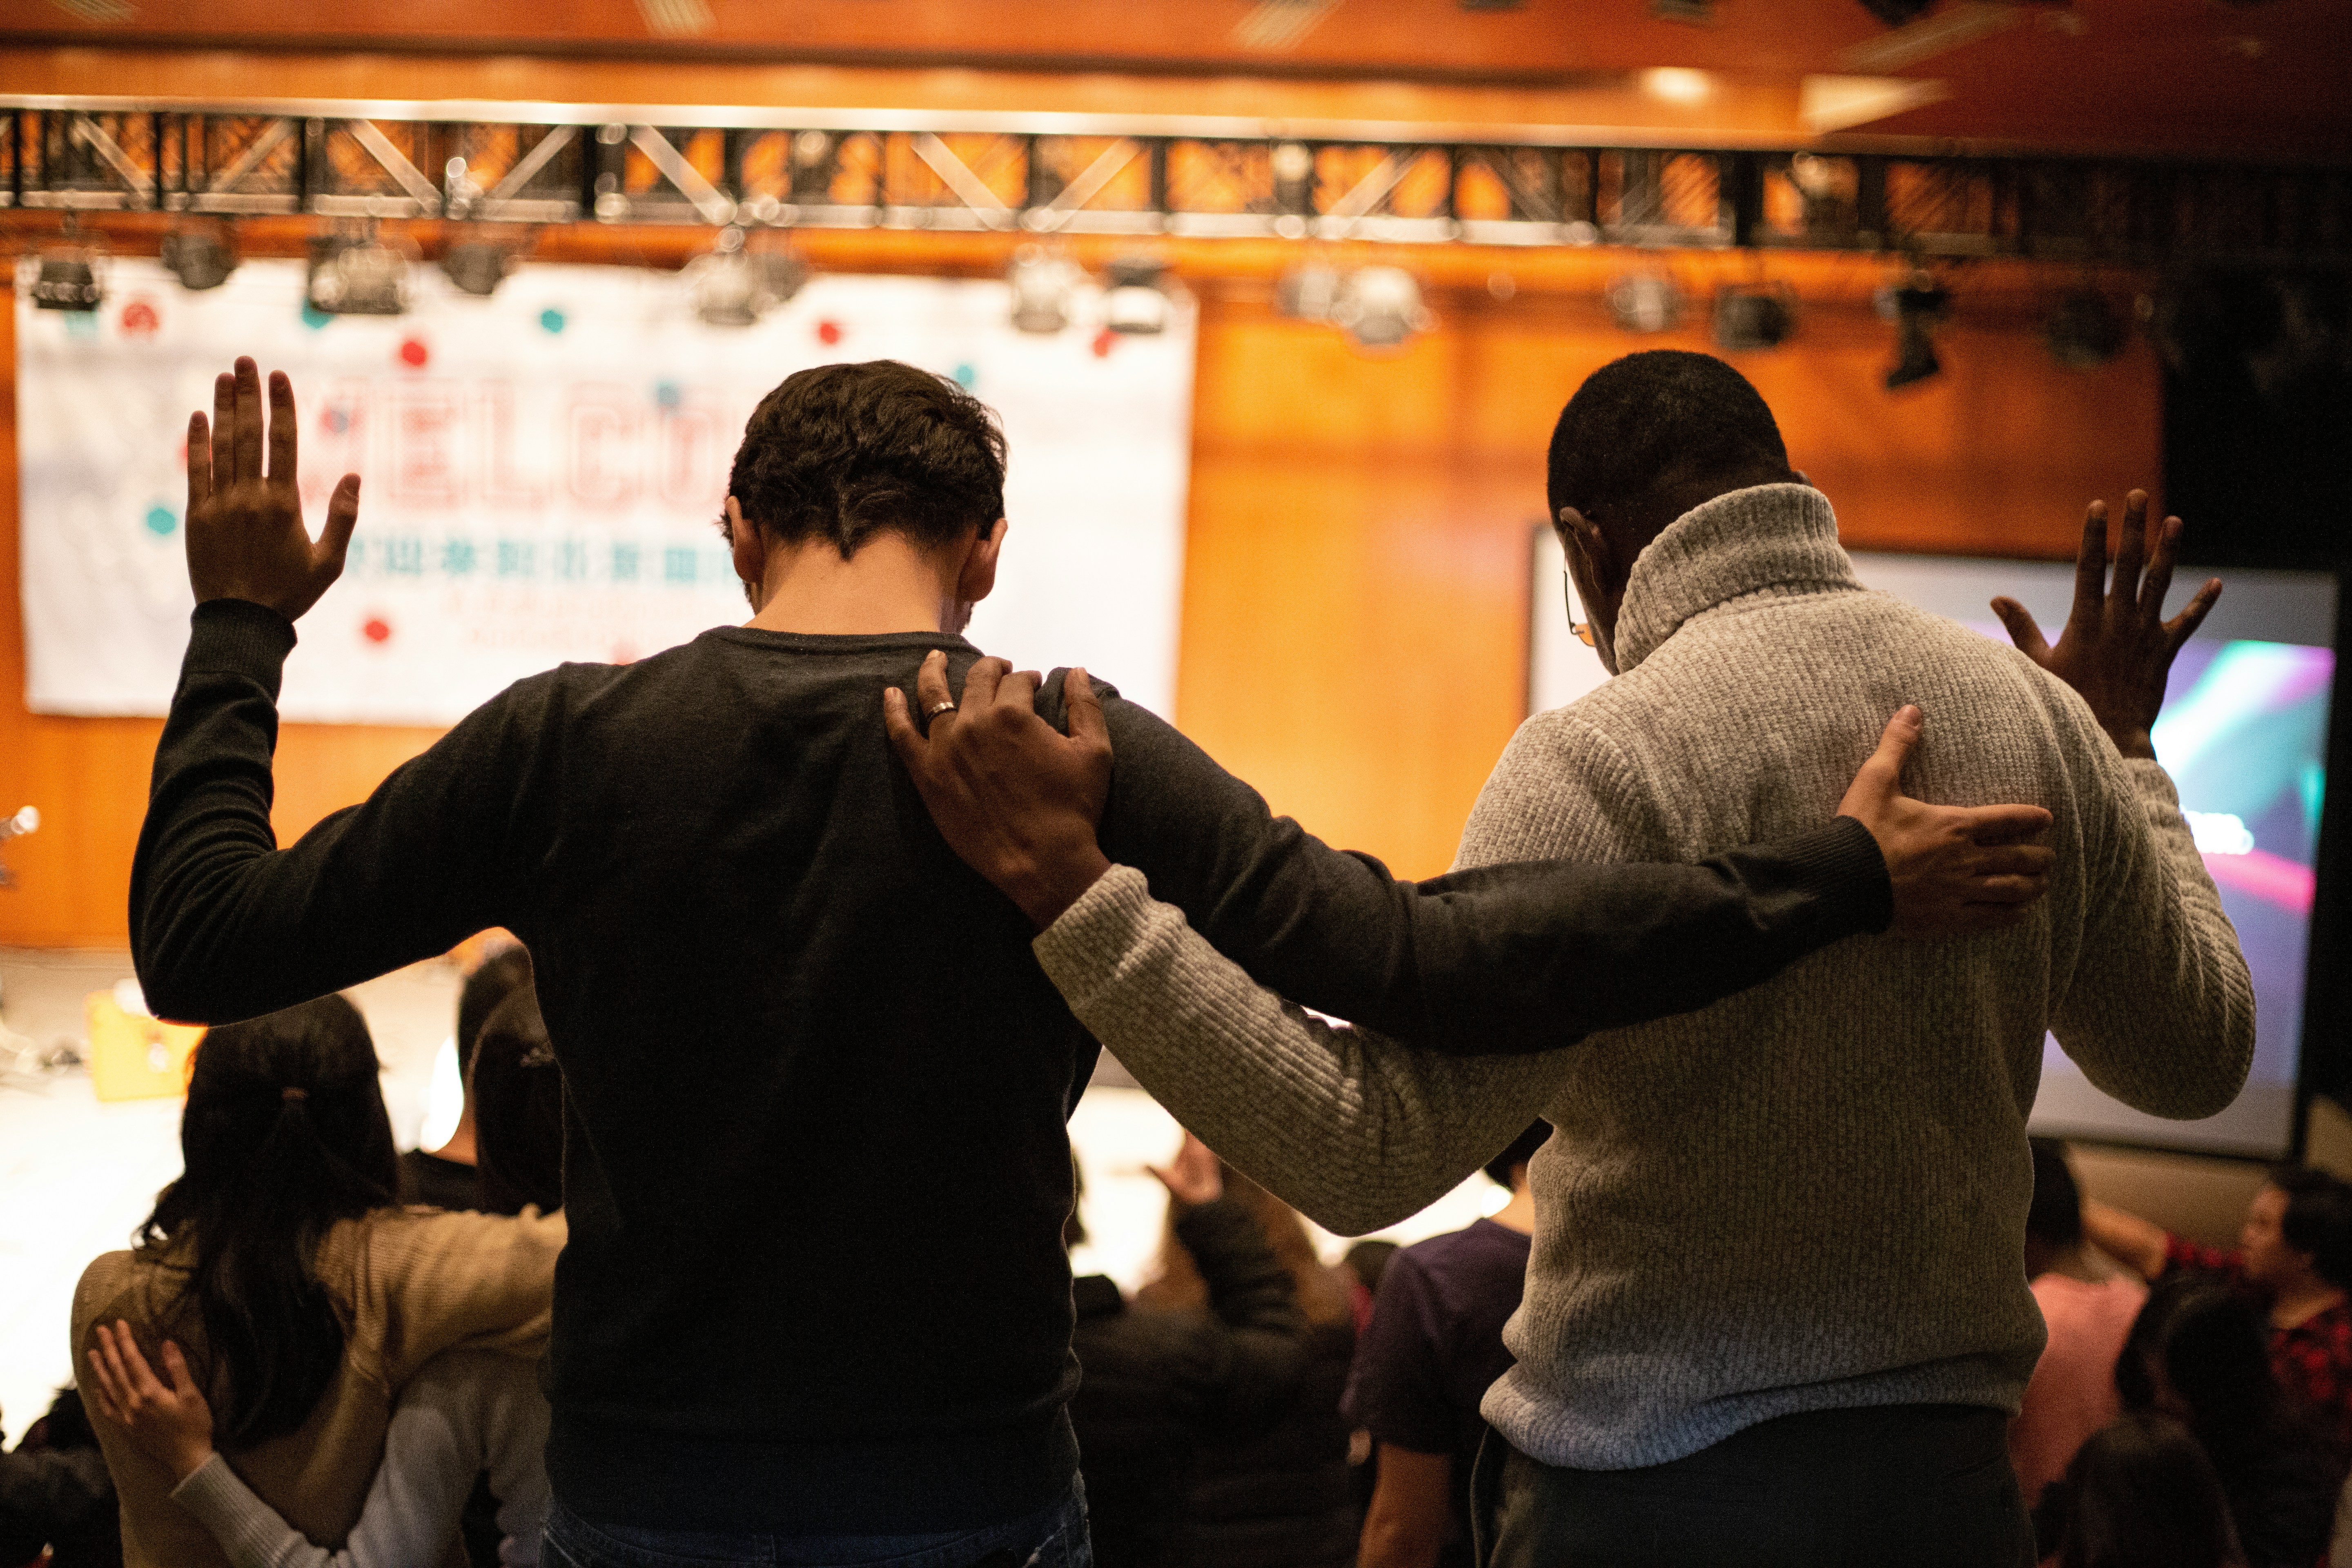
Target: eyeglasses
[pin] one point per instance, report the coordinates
(1578, 628)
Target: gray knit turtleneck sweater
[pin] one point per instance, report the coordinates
(1809, 1195)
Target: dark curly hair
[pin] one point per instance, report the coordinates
(845, 451)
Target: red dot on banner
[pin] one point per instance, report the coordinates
(828, 332)
(413, 353)
(1103, 341)
(376, 629)
(623, 653)
(138, 318)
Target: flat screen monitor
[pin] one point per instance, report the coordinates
(2245, 735)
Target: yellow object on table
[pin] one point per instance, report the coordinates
(133, 1056)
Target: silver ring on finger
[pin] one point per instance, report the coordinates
(936, 709)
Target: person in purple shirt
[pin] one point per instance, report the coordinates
(1424, 1362)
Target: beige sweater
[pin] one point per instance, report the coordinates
(1809, 1195)
(408, 1284)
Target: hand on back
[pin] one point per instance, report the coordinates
(171, 1423)
(1956, 869)
(2117, 648)
(1014, 797)
(245, 538)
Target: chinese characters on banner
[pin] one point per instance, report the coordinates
(543, 473)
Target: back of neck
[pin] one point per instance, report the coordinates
(888, 585)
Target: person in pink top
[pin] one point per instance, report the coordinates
(2088, 1305)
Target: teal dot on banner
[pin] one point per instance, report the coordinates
(81, 323)
(551, 319)
(162, 520)
(314, 317)
(967, 375)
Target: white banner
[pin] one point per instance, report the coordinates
(543, 471)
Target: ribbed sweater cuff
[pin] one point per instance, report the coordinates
(237, 636)
(1843, 862)
(1081, 951)
(228, 1508)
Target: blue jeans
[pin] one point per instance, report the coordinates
(1055, 1538)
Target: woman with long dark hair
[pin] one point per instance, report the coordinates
(298, 1297)
(2142, 1494)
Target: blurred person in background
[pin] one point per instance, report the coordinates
(2088, 1305)
(1284, 1497)
(1434, 1347)
(55, 1494)
(2197, 1353)
(1158, 1384)
(517, 1090)
(447, 1177)
(2294, 1255)
(280, 1278)
(2144, 1496)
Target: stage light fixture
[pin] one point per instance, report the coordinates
(1308, 291)
(1380, 307)
(1749, 316)
(2084, 330)
(359, 274)
(478, 265)
(1918, 305)
(1644, 301)
(1045, 285)
(733, 286)
(1895, 13)
(69, 278)
(1136, 301)
(200, 257)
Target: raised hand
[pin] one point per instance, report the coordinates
(245, 537)
(2117, 648)
(1013, 797)
(171, 1423)
(1956, 869)
(1195, 1176)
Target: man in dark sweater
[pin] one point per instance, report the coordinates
(755, 955)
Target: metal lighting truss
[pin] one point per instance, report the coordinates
(1046, 174)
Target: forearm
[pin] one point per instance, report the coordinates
(1411, 1505)
(2137, 1244)
(1507, 958)
(1355, 1130)
(1248, 1286)
(251, 1533)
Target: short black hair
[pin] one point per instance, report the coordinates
(2057, 1214)
(844, 452)
(1522, 1150)
(2318, 1220)
(1662, 417)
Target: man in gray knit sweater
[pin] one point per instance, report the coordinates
(1774, 1311)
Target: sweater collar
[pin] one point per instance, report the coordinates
(1767, 536)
